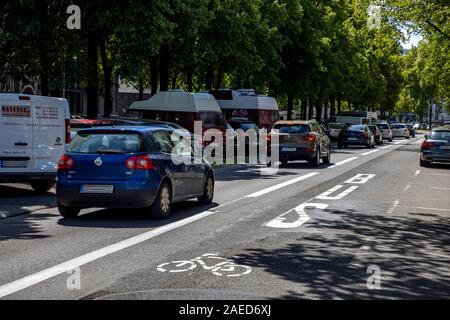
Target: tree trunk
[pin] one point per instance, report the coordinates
(304, 109)
(154, 75)
(164, 68)
(339, 105)
(141, 90)
(209, 79)
(290, 106)
(189, 80)
(107, 73)
(43, 49)
(325, 112)
(318, 111)
(310, 110)
(92, 81)
(219, 78)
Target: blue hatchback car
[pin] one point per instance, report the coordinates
(130, 167)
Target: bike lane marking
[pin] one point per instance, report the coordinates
(219, 269)
(303, 217)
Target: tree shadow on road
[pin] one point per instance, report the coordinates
(412, 253)
(25, 227)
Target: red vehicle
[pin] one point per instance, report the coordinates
(245, 104)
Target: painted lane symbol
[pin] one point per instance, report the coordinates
(221, 267)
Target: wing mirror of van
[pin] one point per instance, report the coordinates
(426, 137)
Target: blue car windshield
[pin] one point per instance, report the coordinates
(106, 143)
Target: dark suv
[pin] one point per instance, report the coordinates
(302, 140)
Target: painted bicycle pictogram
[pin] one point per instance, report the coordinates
(221, 267)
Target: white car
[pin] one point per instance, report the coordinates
(34, 131)
(386, 130)
(400, 130)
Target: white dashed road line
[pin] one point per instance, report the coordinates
(343, 162)
(282, 185)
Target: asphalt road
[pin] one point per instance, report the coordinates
(373, 224)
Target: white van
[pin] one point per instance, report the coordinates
(34, 131)
(183, 108)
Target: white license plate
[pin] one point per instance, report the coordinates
(445, 147)
(14, 164)
(352, 139)
(97, 188)
(290, 149)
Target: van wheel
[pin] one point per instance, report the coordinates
(208, 191)
(160, 209)
(68, 212)
(42, 186)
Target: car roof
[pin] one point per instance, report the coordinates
(295, 122)
(140, 129)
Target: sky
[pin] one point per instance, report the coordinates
(413, 41)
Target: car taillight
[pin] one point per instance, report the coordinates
(426, 145)
(139, 163)
(269, 138)
(65, 163)
(310, 138)
(67, 131)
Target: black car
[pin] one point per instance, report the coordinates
(356, 135)
(436, 147)
(378, 135)
(302, 140)
(412, 130)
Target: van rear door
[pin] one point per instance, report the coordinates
(16, 130)
(49, 133)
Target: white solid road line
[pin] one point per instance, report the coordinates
(281, 185)
(343, 162)
(440, 188)
(370, 152)
(46, 274)
(387, 146)
(399, 142)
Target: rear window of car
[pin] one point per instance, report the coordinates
(292, 128)
(246, 126)
(373, 128)
(337, 125)
(399, 126)
(440, 135)
(88, 142)
(212, 119)
(383, 126)
(356, 128)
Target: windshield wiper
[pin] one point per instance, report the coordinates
(110, 151)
